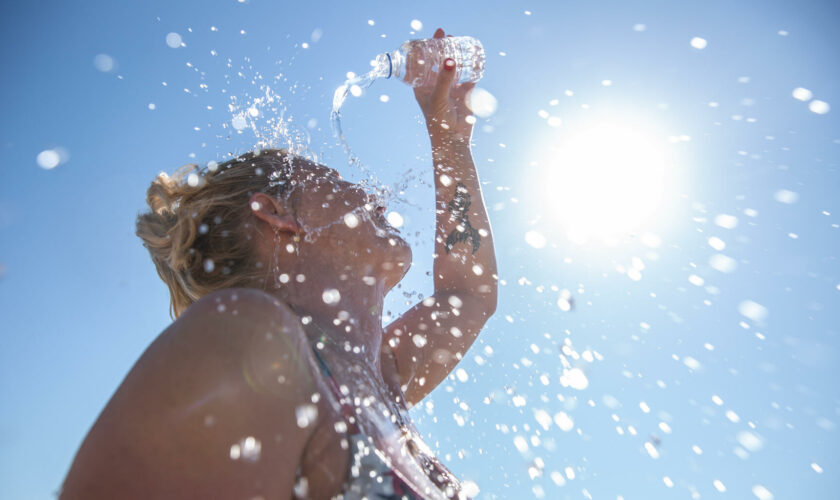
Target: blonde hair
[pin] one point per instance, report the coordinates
(198, 231)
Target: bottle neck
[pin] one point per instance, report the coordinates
(388, 64)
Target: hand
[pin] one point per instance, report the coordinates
(444, 104)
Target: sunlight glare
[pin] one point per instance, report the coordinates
(605, 181)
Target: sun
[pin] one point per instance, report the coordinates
(605, 181)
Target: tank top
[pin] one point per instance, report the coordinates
(369, 475)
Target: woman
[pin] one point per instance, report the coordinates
(277, 379)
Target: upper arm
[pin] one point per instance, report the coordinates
(209, 410)
(432, 337)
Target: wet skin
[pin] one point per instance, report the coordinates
(238, 363)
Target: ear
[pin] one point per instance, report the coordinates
(273, 213)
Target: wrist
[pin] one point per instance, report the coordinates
(449, 144)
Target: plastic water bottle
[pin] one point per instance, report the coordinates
(415, 62)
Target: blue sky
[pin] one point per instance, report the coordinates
(710, 329)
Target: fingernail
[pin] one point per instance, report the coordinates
(449, 63)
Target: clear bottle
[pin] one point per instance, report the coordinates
(415, 62)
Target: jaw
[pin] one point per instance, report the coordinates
(395, 268)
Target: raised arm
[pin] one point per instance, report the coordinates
(432, 336)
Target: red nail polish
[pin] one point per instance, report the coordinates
(449, 63)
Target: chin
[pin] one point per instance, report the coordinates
(399, 257)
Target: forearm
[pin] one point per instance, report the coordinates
(465, 261)
(464, 276)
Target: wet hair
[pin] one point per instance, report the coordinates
(199, 227)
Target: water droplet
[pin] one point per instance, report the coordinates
(726, 221)
(698, 43)
(722, 263)
(752, 310)
(239, 122)
(48, 159)
(416, 25)
(351, 220)
(574, 378)
(301, 488)
(306, 415)
(470, 489)
(331, 296)
(750, 441)
(173, 40)
(692, 363)
(802, 94)
(104, 63)
(762, 493)
(717, 243)
(564, 304)
(395, 219)
(786, 196)
(563, 421)
(481, 102)
(535, 239)
(248, 449)
(819, 107)
(639, 27)
(696, 280)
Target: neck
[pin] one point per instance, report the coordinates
(341, 314)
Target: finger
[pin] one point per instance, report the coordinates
(444, 81)
(439, 33)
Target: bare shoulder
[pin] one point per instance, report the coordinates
(236, 307)
(209, 410)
